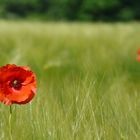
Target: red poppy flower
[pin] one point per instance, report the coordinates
(138, 52)
(17, 84)
(138, 57)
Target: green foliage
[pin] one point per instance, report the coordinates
(93, 5)
(126, 14)
(57, 9)
(99, 9)
(21, 7)
(71, 9)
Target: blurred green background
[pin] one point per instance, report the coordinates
(87, 74)
(83, 10)
(87, 80)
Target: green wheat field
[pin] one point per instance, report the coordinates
(88, 80)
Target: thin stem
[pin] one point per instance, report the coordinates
(10, 109)
(10, 126)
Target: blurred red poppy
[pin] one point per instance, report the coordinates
(138, 51)
(17, 84)
(138, 58)
(138, 55)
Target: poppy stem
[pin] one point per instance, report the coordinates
(10, 126)
(10, 109)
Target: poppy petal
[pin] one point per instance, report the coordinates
(17, 84)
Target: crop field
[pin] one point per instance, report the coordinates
(88, 80)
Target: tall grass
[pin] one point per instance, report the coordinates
(88, 80)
